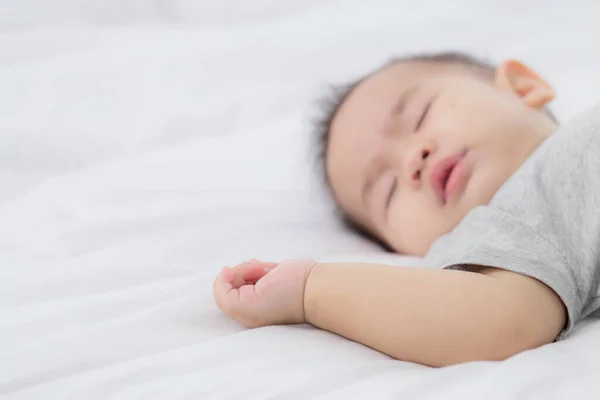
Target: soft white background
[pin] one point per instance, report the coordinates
(144, 144)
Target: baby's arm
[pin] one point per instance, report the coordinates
(429, 316)
(432, 316)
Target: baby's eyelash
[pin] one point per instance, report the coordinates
(391, 193)
(423, 116)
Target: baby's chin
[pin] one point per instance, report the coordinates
(481, 188)
(479, 192)
(418, 248)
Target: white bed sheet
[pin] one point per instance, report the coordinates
(144, 144)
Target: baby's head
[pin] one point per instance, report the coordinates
(409, 150)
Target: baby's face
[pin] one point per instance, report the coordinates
(418, 145)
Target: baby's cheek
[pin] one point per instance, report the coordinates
(413, 229)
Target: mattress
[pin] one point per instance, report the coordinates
(145, 144)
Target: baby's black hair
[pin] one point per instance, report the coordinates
(332, 101)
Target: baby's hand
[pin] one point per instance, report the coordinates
(258, 293)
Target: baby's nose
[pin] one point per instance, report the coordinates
(416, 159)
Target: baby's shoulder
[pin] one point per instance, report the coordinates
(578, 133)
(569, 155)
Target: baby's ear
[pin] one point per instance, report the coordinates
(517, 77)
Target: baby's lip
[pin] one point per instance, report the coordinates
(439, 176)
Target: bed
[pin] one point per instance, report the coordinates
(145, 144)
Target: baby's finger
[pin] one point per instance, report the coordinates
(251, 271)
(268, 265)
(223, 291)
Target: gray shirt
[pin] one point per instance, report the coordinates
(544, 222)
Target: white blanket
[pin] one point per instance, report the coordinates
(144, 144)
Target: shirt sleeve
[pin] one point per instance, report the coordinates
(544, 222)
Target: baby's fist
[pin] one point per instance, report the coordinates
(258, 293)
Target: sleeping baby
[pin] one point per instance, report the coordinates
(450, 158)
